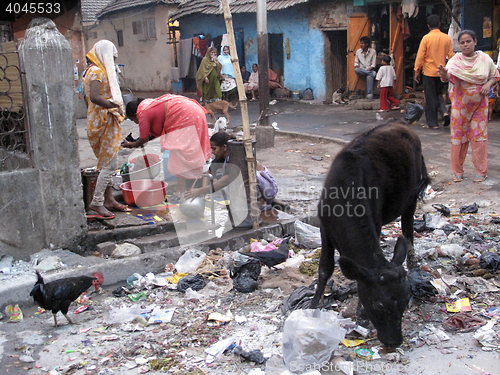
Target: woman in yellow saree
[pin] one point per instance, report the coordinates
(104, 116)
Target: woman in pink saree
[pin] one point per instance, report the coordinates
(472, 74)
(182, 126)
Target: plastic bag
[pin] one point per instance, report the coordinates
(245, 272)
(310, 337)
(472, 209)
(307, 235)
(413, 112)
(195, 282)
(490, 261)
(190, 261)
(435, 221)
(420, 284)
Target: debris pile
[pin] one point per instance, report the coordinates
(226, 311)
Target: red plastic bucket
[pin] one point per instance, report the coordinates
(144, 193)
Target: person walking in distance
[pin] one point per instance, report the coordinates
(386, 77)
(365, 63)
(434, 50)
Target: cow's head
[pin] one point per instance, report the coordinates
(384, 293)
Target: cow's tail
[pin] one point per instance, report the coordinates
(424, 181)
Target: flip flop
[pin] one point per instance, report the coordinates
(94, 215)
(459, 178)
(479, 178)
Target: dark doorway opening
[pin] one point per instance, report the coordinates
(276, 60)
(335, 62)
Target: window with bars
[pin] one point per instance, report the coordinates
(119, 35)
(150, 26)
(136, 27)
(14, 150)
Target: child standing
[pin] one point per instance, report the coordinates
(386, 77)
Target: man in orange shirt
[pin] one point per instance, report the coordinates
(434, 50)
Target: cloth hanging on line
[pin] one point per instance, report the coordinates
(185, 53)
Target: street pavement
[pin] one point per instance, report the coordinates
(340, 123)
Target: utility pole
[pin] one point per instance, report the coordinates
(248, 173)
(264, 134)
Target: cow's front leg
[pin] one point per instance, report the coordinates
(361, 316)
(407, 229)
(325, 270)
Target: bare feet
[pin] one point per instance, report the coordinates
(118, 207)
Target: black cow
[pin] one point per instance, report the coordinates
(375, 179)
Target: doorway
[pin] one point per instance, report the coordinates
(276, 62)
(335, 62)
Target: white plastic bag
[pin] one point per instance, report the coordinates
(310, 337)
(190, 261)
(307, 235)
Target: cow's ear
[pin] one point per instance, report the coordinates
(353, 271)
(400, 251)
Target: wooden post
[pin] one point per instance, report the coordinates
(247, 140)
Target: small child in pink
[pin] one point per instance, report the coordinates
(386, 77)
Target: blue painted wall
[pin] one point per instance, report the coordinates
(305, 69)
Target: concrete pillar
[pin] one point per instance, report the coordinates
(46, 58)
(264, 135)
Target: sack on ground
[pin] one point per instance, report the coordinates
(413, 112)
(266, 186)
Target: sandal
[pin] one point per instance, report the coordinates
(459, 178)
(479, 178)
(92, 215)
(397, 107)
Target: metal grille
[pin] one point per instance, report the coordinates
(14, 151)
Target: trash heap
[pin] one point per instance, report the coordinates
(246, 311)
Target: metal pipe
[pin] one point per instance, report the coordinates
(212, 204)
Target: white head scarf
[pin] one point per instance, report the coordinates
(105, 51)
